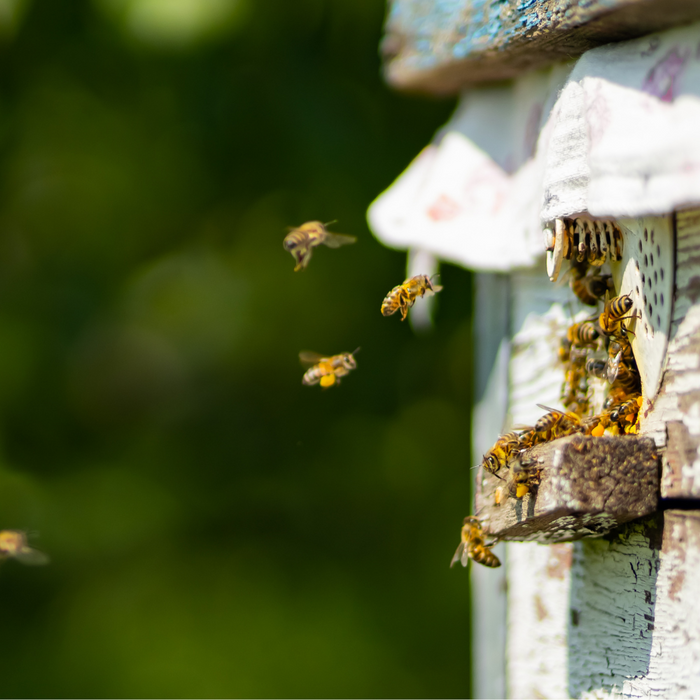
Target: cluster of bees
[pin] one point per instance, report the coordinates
(597, 347)
(327, 371)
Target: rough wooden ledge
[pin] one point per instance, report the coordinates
(588, 486)
(440, 47)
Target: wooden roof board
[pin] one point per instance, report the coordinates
(443, 46)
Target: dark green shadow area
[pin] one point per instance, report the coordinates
(215, 528)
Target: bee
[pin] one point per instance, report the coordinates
(299, 241)
(595, 425)
(499, 455)
(556, 424)
(582, 334)
(610, 321)
(589, 288)
(627, 378)
(473, 545)
(624, 414)
(404, 296)
(524, 476)
(327, 371)
(597, 368)
(13, 545)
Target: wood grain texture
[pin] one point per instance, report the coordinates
(588, 486)
(442, 46)
(634, 628)
(674, 419)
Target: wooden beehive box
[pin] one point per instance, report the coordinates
(611, 613)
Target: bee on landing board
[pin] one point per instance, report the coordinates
(13, 545)
(473, 545)
(299, 241)
(404, 296)
(327, 371)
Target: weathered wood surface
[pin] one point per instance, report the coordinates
(674, 419)
(442, 46)
(634, 623)
(588, 486)
(538, 608)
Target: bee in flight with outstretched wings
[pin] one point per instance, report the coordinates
(327, 371)
(300, 241)
(13, 545)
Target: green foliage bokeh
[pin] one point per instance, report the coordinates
(215, 528)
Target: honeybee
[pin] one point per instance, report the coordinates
(301, 240)
(597, 368)
(404, 296)
(610, 321)
(13, 545)
(589, 288)
(501, 452)
(327, 370)
(556, 424)
(624, 414)
(582, 334)
(524, 476)
(627, 378)
(473, 545)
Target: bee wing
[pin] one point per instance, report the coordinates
(310, 358)
(436, 288)
(460, 555)
(32, 557)
(613, 367)
(335, 240)
(549, 408)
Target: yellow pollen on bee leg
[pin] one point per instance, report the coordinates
(521, 490)
(328, 380)
(598, 431)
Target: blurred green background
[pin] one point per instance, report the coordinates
(216, 528)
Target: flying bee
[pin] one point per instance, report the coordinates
(299, 241)
(582, 334)
(327, 371)
(404, 296)
(13, 545)
(610, 321)
(589, 288)
(474, 546)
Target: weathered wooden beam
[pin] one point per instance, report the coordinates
(441, 47)
(588, 486)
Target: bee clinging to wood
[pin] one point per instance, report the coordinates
(13, 545)
(610, 321)
(474, 546)
(502, 451)
(404, 295)
(327, 371)
(299, 241)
